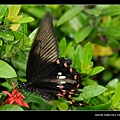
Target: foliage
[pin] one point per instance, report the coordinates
(88, 34)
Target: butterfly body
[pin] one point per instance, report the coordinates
(47, 75)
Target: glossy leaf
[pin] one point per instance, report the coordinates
(6, 71)
(96, 70)
(92, 91)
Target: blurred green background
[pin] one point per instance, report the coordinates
(75, 26)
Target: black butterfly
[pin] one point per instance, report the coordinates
(47, 75)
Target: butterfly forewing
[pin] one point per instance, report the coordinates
(44, 51)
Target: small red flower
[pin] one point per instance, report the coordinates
(15, 97)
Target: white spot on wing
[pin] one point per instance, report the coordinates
(62, 82)
(59, 73)
(62, 77)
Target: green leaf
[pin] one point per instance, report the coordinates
(79, 52)
(62, 106)
(19, 64)
(86, 60)
(105, 106)
(62, 46)
(55, 102)
(88, 81)
(110, 31)
(69, 15)
(96, 12)
(75, 23)
(35, 98)
(21, 55)
(23, 28)
(3, 9)
(7, 85)
(78, 98)
(32, 36)
(67, 49)
(13, 19)
(8, 48)
(87, 55)
(91, 91)
(6, 71)
(96, 70)
(112, 10)
(9, 107)
(83, 33)
(25, 20)
(113, 83)
(22, 37)
(14, 10)
(116, 96)
(6, 35)
(77, 62)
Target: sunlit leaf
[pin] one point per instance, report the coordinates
(25, 20)
(6, 71)
(96, 70)
(14, 10)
